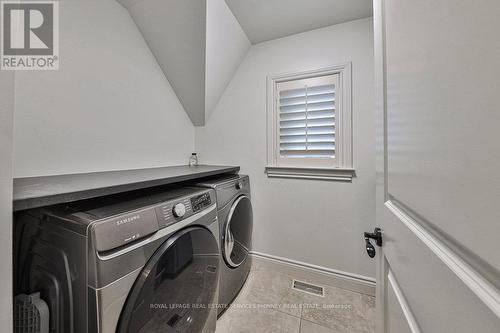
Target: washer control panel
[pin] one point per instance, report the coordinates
(175, 211)
(171, 212)
(201, 201)
(118, 230)
(179, 210)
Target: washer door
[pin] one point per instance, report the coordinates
(176, 290)
(237, 234)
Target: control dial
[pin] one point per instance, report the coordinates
(179, 210)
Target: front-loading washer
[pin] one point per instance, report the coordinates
(116, 264)
(235, 215)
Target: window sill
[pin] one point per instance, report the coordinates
(333, 174)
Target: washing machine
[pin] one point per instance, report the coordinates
(234, 212)
(127, 263)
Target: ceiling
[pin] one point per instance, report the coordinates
(264, 20)
(186, 37)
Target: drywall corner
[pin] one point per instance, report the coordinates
(226, 47)
(175, 31)
(198, 45)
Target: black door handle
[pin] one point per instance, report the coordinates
(370, 249)
(377, 236)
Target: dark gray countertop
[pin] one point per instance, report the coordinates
(32, 192)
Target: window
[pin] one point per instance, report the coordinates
(309, 124)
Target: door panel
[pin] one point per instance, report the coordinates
(438, 299)
(443, 76)
(397, 321)
(437, 147)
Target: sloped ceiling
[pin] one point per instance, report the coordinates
(264, 20)
(175, 31)
(197, 43)
(227, 45)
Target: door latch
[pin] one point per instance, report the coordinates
(377, 236)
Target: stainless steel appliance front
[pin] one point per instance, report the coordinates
(165, 278)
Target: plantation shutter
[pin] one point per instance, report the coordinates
(307, 117)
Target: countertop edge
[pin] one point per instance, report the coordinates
(29, 202)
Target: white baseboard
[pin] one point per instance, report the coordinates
(317, 274)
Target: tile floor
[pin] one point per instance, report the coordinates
(268, 304)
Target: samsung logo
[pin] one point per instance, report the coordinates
(128, 219)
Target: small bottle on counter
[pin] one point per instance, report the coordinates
(193, 160)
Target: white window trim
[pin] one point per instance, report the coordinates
(343, 169)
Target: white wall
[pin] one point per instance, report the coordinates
(175, 31)
(317, 222)
(108, 107)
(227, 45)
(6, 118)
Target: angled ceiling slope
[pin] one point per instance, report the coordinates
(198, 44)
(264, 20)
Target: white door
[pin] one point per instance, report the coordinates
(438, 171)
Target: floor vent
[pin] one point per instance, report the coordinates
(308, 288)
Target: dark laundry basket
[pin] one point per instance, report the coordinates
(31, 314)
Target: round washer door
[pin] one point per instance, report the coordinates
(237, 234)
(176, 290)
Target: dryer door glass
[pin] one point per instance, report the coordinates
(237, 234)
(176, 290)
